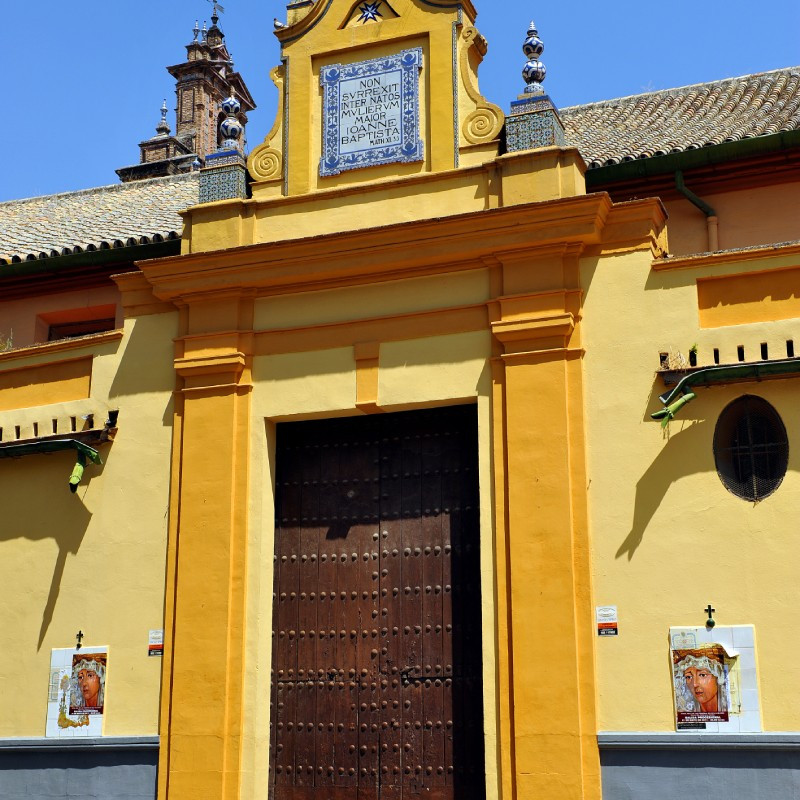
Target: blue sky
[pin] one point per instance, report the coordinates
(84, 80)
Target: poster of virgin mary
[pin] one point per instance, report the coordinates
(88, 683)
(701, 685)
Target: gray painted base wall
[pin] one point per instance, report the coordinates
(744, 767)
(89, 773)
(635, 767)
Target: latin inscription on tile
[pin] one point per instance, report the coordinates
(371, 112)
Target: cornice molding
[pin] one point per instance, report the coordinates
(224, 364)
(723, 257)
(392, 252)
(88, 342)
(137, 296)
(534, 327)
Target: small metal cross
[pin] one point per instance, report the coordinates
(79, 639)
(710, 623)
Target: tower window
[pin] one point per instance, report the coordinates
(751, 449)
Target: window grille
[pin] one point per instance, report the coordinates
(751, 449)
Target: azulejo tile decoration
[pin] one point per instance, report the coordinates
(223, 183)
(534, 122)
(371, 113)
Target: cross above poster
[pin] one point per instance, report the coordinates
(371, 113)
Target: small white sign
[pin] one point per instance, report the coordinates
(683, 640)
(155, 643)
(607, 621)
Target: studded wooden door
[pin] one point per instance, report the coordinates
(376, 683)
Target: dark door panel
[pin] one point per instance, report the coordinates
(376, 626)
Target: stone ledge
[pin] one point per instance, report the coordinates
(81, 743)
(692, 740)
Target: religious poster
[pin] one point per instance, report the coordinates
(76, 700)
(702, 683)
(371, 112)
(714, 679)
(87, 686)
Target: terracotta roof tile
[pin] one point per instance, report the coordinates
(688, 118)
(607, 132)
(95, 219)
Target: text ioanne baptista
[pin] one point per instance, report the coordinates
(370, 112)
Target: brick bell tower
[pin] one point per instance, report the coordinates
(203, 82)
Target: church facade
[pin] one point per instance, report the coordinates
(437, 450)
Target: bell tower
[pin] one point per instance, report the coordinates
(202, 82)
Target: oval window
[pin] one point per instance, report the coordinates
(751, 449)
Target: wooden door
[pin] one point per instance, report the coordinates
(376, 683)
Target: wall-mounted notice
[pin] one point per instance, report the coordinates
(703, 680)
(714, 679)
(76, 700)
(371, 113)
(607, 621)
(155, 643)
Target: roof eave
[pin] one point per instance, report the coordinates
(643, 168)
(113, 255)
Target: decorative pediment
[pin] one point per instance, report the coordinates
(367, 12)
(364, 101)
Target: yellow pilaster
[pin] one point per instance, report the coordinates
(367, 357)
(544, 576)
(202, 714)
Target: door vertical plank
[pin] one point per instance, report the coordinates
(306, 727)
(433, 620)
(391, 742)
(287, 578)
(411, 502)
(328, 667)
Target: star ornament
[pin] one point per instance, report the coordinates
(369, 12)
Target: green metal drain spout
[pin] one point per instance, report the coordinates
(668, 413)
(85, 454)
(677, 398)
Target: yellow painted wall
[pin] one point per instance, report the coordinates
(736, 299)
(747, 216)
(92, 561)
(668, 538)
(43, 385)
(370, 301)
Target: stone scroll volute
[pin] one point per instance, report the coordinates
(265, 163)
(484, 122)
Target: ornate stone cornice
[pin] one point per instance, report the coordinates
(373, 255)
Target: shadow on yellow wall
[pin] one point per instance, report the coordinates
(38, 506)
(678, 459)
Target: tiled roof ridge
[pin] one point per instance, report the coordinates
(674, 90)
(110, 188)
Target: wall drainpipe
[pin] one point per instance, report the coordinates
(712, 221)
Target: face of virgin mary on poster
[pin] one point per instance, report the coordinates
(88, 683)
(700, 680)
